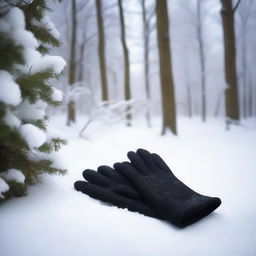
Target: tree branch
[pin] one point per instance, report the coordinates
(235, 7)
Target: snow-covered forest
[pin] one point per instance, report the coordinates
(84, 82)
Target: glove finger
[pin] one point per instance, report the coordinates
(147, 159)
(160, 162)
(137, 162)
(108, 196)
(126, 169)
(79, 185)
(114, 175)
(104, 182)
(98, 179)
(126, 192)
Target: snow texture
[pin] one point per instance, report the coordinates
(15, 18)
(206, 157)
(41, 104)
(11, 119)
(32, 135)
(28, 111)
(4, 187)
(55, 133)
(10, 91)
(14, 23)
(13, 175)
(56, 63)
(57, 95)
(47, 23)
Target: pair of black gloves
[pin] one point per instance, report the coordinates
(147, 185)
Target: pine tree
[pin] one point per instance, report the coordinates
(26, 36)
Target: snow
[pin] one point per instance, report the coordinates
(32, 57)
(10, 91)
(48, 24)
(4, 187)
(56, 63)
(14, 22)
(211, 160)
(24, 38)
(11, 119)
(57, 95)
(55, 133)
(41, 104)
(36, 62)
(28, 111)
(13, 175)
(61, 221)
(32, 135)
(15, 18)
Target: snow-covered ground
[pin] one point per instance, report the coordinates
(54, 219)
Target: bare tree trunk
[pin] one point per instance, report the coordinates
(81, 61)
(244, 65)
(126, 62)
(146, 36)
(218, 105)
(167, 84)
(231, 94)
(202, 58)
(101, 51)
(189, 99)
(187, 86)
(71, 118)
(250, 97)
(254, 101)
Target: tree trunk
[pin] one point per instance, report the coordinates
(167, 84)
(244, 86)
(188, 85)
(101, 51)
(146, 57)
(81, 62)
(231, 94)
(126, 63)
(250, 98)
(71, 118)
(202, 58)
(189, 99)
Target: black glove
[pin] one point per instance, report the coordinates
(111, 187)
(163, 192)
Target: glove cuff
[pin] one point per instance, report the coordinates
(194, 209)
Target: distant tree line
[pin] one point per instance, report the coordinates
(158, 10)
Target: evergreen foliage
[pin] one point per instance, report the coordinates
(34, 86)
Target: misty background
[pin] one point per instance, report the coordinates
(184, 23)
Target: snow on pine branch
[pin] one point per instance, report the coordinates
(32, 135)
(13, 23)
(11, 119)
(22, 116)
(10, 91)
(4, 187)
(13, 175)
(47, 23)
(55, 63)
(28, 111)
